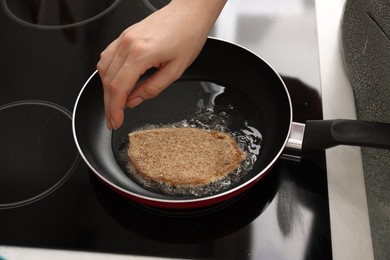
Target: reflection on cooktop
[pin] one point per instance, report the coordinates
(187, 225)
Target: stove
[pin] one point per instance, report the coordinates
(50, 199)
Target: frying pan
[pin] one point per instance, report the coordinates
(223, 75)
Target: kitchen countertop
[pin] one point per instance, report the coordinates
(350, 228)
(351, 235)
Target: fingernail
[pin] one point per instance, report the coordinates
(113, 126)
(108, 125)
(135, 102)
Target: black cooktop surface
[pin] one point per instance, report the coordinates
(50, 199)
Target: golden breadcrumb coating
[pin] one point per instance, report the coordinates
(184, 156)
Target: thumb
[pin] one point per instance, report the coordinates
(154, 85)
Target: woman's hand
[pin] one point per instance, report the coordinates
(169, 39)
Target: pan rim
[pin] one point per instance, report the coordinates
(199, 200)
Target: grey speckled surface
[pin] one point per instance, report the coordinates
(366, 44)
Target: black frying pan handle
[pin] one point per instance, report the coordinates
(323, 134)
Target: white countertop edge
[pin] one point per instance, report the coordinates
(23, 253)
(350, 227)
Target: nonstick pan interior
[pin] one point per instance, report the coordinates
(223, 76)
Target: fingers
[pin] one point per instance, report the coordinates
(120, 68)
(116, 88)
(118, 91)
(106, 58)
(118, 74)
